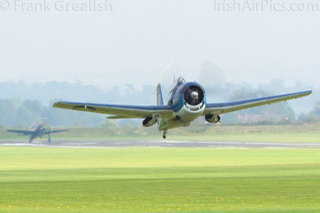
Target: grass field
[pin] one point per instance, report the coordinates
(159, 180)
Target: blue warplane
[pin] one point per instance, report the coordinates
(39, 131)
(186, 103)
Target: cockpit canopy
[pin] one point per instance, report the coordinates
(178, 82)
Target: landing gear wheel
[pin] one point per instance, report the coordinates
(164, 135)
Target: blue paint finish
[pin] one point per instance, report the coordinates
(178, 103)
(235, 103)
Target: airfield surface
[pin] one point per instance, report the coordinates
(162, 180)
(159, 143)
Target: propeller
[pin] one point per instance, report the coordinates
(193, 95)
(42, 123)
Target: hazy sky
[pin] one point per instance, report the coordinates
(134, 42)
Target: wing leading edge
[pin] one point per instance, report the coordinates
(55, 131)
(118, 111)
(24, 132)
(221, 108)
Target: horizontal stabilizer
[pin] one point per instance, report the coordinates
(117, 117)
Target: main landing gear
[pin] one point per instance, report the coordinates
(164, 135)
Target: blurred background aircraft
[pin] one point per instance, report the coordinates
(37, 130)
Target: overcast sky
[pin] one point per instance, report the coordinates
(134, 41)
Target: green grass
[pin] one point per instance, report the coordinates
(159, 180)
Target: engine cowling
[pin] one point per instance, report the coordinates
(149, 121)
(212, 118)
(193, 95)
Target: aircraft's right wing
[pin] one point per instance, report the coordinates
(55, 131)
(118, 111)
(221, 108)
(20, 131)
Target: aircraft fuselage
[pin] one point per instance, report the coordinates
(38, 132)
(188, 101)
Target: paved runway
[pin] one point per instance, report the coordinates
(186, 144)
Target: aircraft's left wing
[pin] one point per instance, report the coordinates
(118, 111)
(24, 132)
(221, 108)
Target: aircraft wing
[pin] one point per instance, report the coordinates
(221, 108)
(24, 132)
(118, 111)
(55, 131)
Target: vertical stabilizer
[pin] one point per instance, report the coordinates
(161, 121)
(159, 95)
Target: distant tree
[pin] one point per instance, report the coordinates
(8, 114)
(308, 118)
(313, 116)
(316, 110)
(275, 113)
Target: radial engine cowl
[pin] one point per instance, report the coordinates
(212, 118)
(149, 121)
(193, 95)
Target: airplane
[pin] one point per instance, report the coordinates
(38, 131)
(187, 102)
